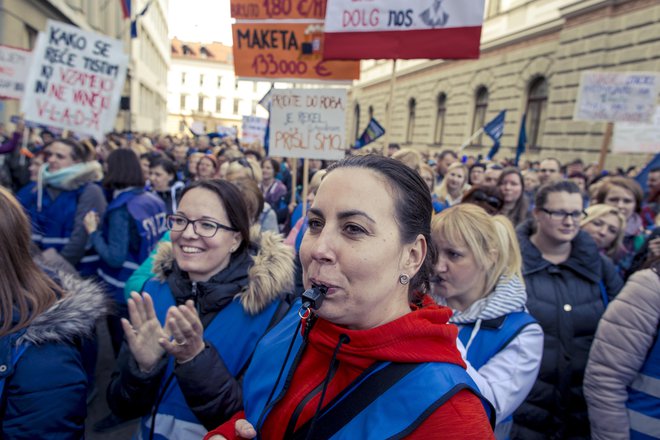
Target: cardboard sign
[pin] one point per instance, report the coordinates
(14, 65)
(617, 96)
(308, 123)
(629, 137)
(75, 80)
(277, 9)
(253, 129)
(402, 29)
(285, 51)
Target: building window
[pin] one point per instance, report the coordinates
(371, 112)
(440, 113)
(200, 103)
(218, 104)
(201, 79)
(480, 107)
(182, 126)
(537, 101)
(254, 87)
(412, 104)
(237, 104)
(182, 102)
(356, 121)
(219, 81)
(254, 108)
(183, 77)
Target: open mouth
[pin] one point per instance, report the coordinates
(191, 250)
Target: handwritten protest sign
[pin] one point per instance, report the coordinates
(285, 51)
(308, 123)
(637, 138)
(75, 80)
(617, 96)
(225, 131)
(402, 29)
(14, 64)
(253, 129)
(277, 9)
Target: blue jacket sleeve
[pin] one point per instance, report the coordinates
(114, 251)
(46, 396)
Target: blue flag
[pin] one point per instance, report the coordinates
(522, 139)
(373, 131)
(495, 129)
(644, 174)
(134, 27)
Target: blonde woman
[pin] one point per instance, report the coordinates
(606, 225)
(478, 274)
(454, 185)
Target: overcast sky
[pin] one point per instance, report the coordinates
(200, 20)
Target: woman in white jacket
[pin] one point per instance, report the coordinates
(478, 275)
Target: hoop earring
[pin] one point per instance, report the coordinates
(404, 278)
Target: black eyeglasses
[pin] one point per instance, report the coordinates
(480, 196)
(563, 215)
(202, 227)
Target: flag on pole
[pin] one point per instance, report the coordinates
(495, 129)
(373, 131)
(644, 174)
(126, 8)
(134, 23)
(522, 139)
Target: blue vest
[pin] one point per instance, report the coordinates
(644, 398)
(232, 332)
(423, 390)
(147, 212)
(493, 336)
(53, 225)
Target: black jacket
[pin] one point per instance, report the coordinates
(566, 300)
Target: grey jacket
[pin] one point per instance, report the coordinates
(625, 334)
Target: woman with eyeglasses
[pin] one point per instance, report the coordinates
(512, 187)
(568, 287)
(192, 331)
(606, 225)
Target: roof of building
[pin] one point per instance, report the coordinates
(201, 51)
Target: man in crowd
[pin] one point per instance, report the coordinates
(446, 158)
(492, 175)
(549, 170)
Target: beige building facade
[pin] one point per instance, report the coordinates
(149, 56)
(532, 55)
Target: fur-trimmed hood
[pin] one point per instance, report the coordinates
(270, 276)
(72, 316)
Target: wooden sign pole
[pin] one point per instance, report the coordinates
(303, 196)
(605, 145)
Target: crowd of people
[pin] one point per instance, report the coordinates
(444, 296)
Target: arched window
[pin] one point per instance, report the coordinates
(440, 119)
(356, 121)
(412, 104)
(480, 107)
(537, 101)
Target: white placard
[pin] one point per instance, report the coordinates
(637, 138)
(14, 65)
(617, 96)
(308, 123)
(226, 131)
(75, 80)
(253, 129)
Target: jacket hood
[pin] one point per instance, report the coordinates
(270, 275)
(77, 176)
(73, 316)
(423, 335)
(584, 259)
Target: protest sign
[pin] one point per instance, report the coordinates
(14, 65)
(224, 131)
(277, 9)
(308, 123)
(637, 138)
(197, 127)
(285, 51)
(253, 129)
(75, 80)
(402, 29)
(617, 96)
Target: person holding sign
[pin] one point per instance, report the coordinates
(371, 339)
(57, 203)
